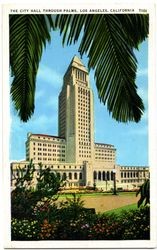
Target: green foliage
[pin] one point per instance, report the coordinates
(28, 36)
(135, 224)
(35, 216)
(24, 229)
(144, 192)
(108, 40)
(119, 210)
(129, 225)
(106, 227)
(24, 198)
(45, 210)
(72, 208)
(48, 183)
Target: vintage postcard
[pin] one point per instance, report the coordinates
(79, 137)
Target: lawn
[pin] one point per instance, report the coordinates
(103, 202)
(96, 194)
(121, 209)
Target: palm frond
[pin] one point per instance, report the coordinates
(144, 192)
(28, 36)
(133, 22)
(108, 41)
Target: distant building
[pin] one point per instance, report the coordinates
(73, 153)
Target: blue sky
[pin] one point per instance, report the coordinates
(130, 140)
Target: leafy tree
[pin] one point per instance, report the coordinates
(107, 39)
(144, 192)
(25, 196)
(48, 183)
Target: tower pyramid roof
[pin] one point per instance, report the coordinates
(77, 63)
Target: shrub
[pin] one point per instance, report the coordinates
(72, 213)
(77, 228)
(48, 231)
(45, 210)
(105, 227)
(129, 225)
(24, 198)
(135, 224)
(24, 229)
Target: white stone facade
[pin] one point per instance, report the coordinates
(73, 153)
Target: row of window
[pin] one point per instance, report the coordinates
(85, 156)
(130, 181)
(83, 97)
(53, 150)
(45, 154)
(83, 91)
(60, 167)
(84, 151)
(49, 159)
(71, 176)
(84, 136)
(134, 168)
(103, 150)
(104, 158)
(65, 176)
(103, 175)
(102, 146)
(84, 126)
(84, 117)
(80, 75)
(48, 138)
(132, 174)
(84, 144)
(103, 154)
(49, 145)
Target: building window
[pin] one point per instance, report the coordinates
(95, 175)
(103, 175)
(64, 176)
(75, 176)
(80, 176)
(99, 175)
(70, 176)
(111, 175)
(108, 175)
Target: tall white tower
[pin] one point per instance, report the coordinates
(76, 122)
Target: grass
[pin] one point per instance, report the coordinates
(105, 202)
(121, 209)
(96, 194)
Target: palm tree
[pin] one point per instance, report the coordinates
(108, 40)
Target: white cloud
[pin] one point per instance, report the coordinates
(142, 72)
(143, 93)
(39, 93)
(52, 102)
(41, 122)
(145, 115)
(142, 131)
(49, 75)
